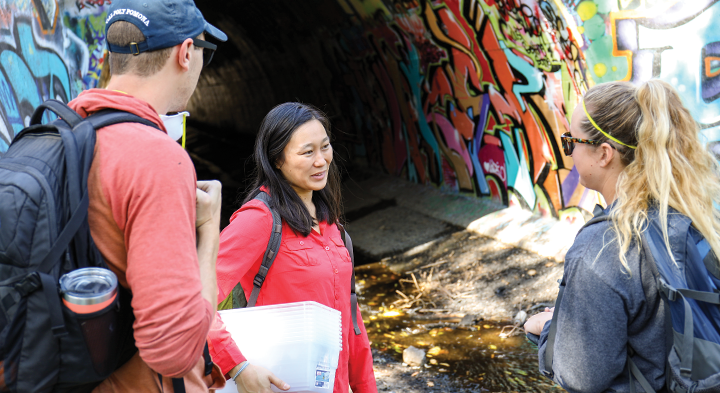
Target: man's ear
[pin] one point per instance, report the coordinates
(184, 53)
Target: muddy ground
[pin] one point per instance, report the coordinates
(457, 298)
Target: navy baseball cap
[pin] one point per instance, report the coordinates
(164, 23)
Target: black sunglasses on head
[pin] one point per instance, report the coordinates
(208, 50)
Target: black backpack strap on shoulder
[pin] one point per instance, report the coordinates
(108, 117)
(98, 120)
(77, 183)
(59, 108)
(353, 295)
(270, 253)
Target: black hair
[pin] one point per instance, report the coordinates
(275, 132)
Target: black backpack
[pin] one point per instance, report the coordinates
(44, 233)
(238, 295)
(689, 284)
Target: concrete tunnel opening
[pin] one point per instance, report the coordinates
(469, 98)
(275, 53)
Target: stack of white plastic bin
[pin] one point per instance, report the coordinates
(299, 342)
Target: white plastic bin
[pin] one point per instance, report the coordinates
(299, 342)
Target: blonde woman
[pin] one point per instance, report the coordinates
(640, 148)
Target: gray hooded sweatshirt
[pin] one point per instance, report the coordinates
(603, 311)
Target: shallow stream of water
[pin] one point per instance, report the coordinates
(477, 354)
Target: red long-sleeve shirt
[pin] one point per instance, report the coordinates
(142, 219)
(313, 268)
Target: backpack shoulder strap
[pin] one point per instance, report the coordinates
(79, 158)
(633, 370)
(270, 252)
(59, 108)
(108, 117)
(353, 295)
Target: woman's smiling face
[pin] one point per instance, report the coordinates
(307, 158)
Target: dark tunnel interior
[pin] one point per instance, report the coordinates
(275, 53)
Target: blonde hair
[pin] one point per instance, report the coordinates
(671, 166)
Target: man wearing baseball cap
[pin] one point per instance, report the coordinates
(155, 225)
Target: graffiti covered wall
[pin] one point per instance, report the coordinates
(473, 95)
(48, 49)
(470, 96)
(676, 41)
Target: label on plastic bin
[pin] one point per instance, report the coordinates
(322, 379)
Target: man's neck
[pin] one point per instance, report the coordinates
(153, 90)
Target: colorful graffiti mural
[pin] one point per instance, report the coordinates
(472, 95)
(677, 41)
(48, 49)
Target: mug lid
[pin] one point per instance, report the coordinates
(90, 284)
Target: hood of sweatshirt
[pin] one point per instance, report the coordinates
(91, 101)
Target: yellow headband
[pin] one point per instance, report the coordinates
(600, 129)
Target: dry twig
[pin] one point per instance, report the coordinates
(440, 262)
(416, 283)
(447, 293)
(512, 331)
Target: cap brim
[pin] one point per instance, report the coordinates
(215, 32)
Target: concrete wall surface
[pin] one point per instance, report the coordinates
(469, 96)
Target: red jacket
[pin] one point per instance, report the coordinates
(313, 268)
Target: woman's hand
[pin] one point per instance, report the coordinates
(536, 323)
(255, 379)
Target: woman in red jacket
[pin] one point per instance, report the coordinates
(294, 160)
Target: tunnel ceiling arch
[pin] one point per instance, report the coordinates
(470, 96)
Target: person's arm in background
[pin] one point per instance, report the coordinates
(362, 376)
(242, 246)
(207, 223)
